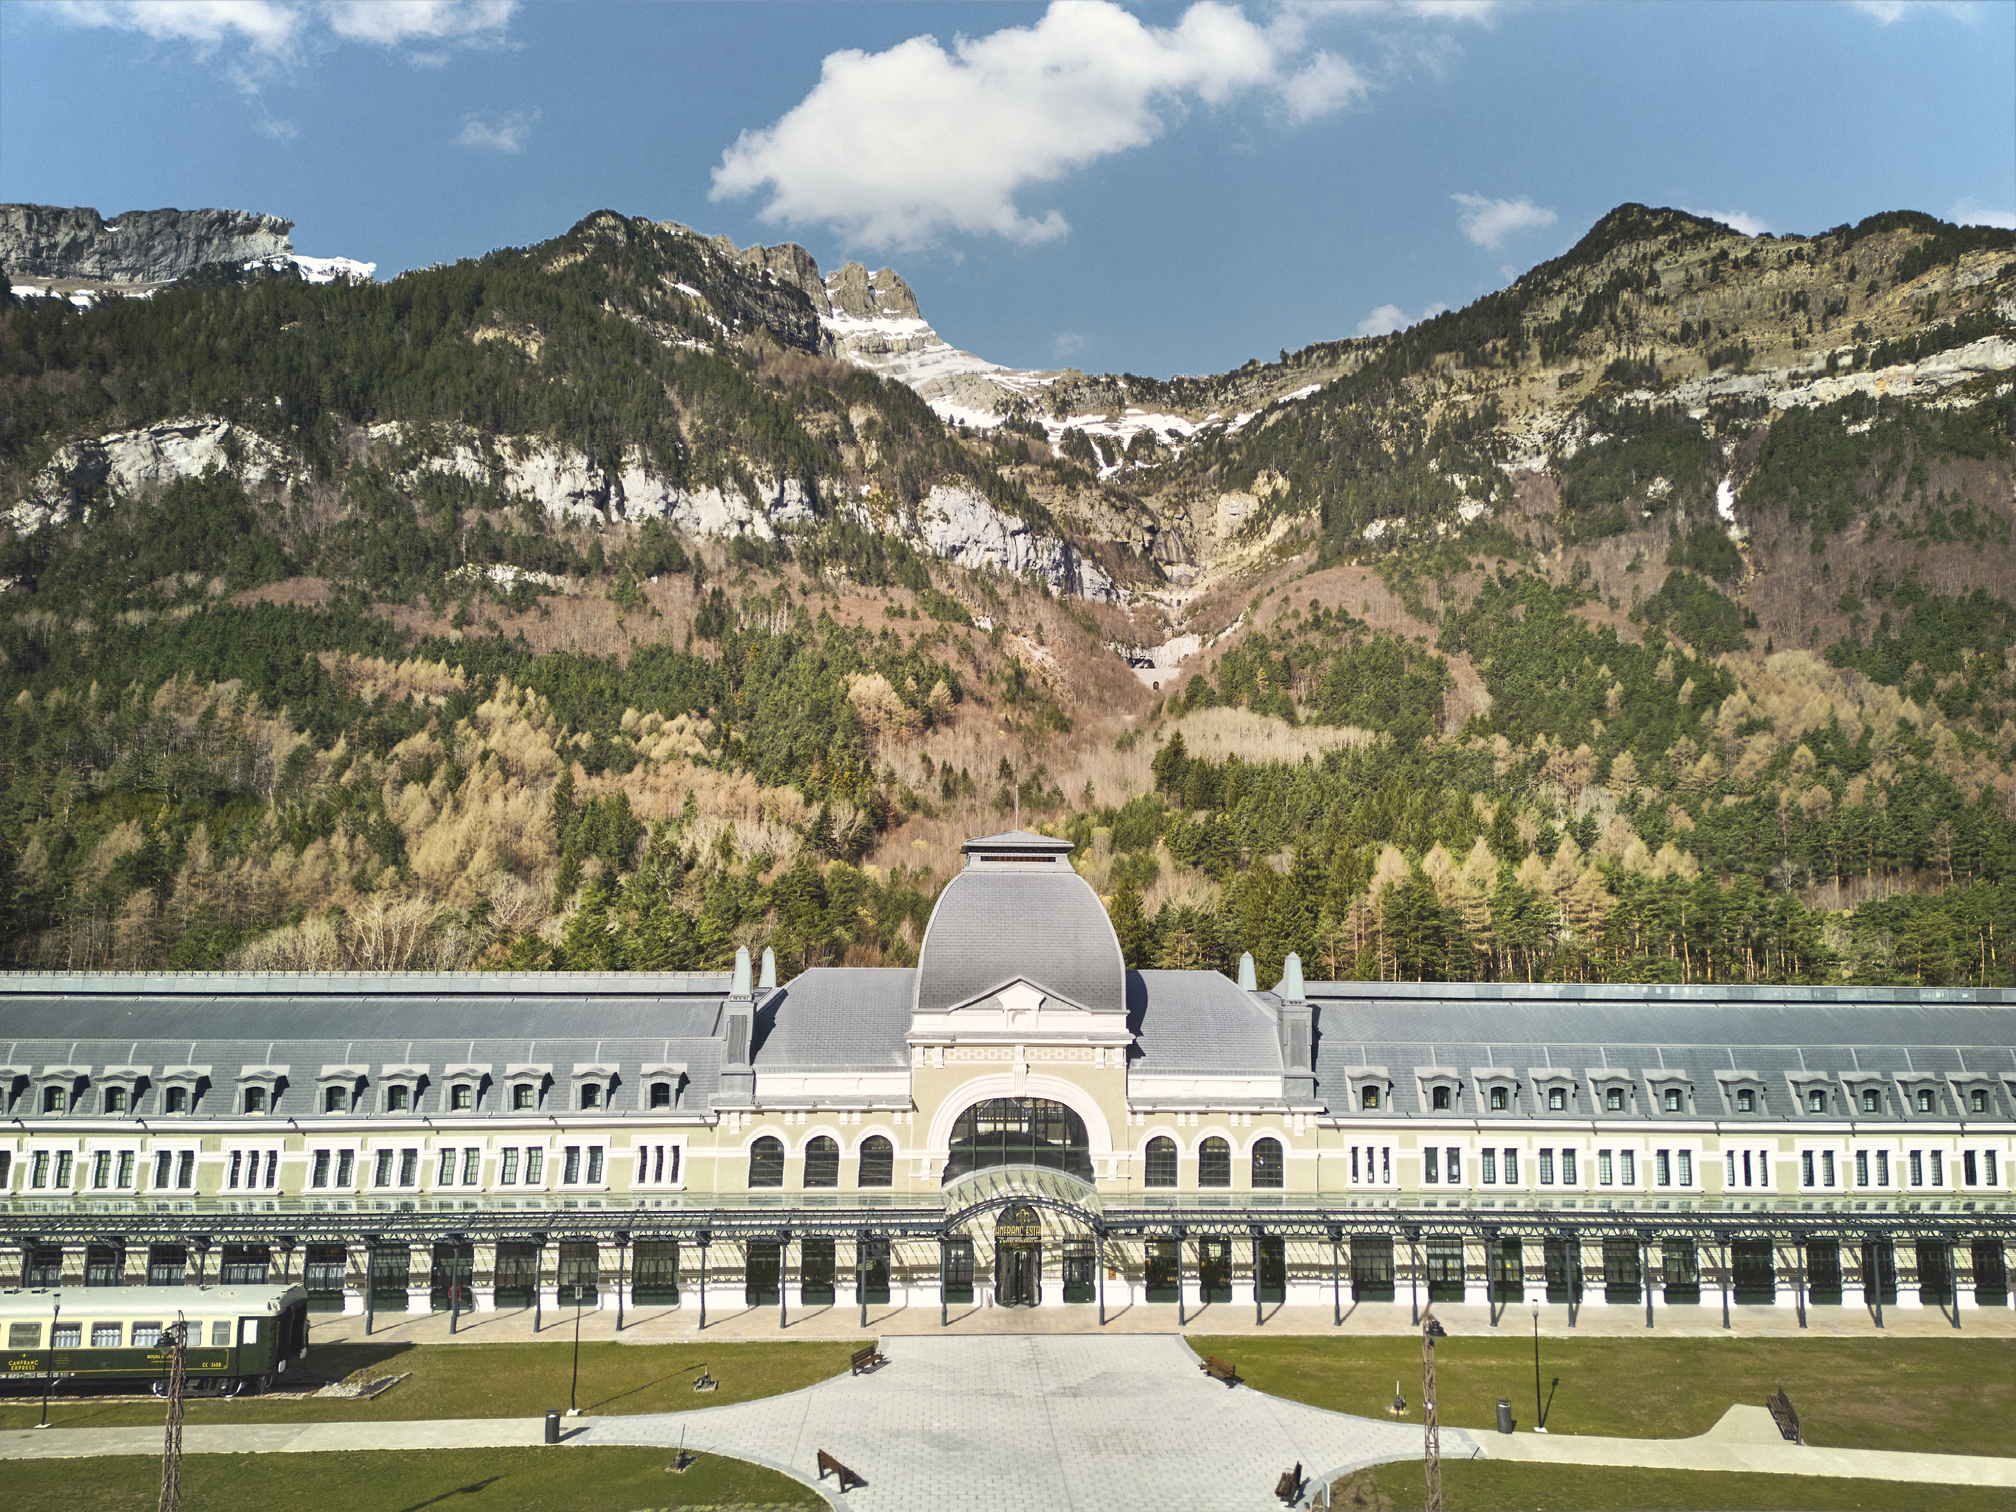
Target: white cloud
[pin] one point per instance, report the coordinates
(898, 146)
(264, 27)
(1971, 212)
(278, 130)
(1890, 12)
(506, 132)
(1066, 343)
(1387, 319)
(1488, 222)
(270, 32)
(1741, 221)
(392, 23)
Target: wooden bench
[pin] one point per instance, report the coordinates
(1220, 1370)
(867, 1359)
(1783, 1415)
(1289, 1487)
(831, 1466)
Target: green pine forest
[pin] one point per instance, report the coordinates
(328, 705)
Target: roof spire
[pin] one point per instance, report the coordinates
(1248, 978)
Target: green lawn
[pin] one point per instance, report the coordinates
(466, 1480)
(493, 1380)
(1484, 1486)
(1946, 1396)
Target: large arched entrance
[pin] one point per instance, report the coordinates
(1018, 1131)
(1018, 1257)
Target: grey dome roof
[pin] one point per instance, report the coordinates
(1041, 922)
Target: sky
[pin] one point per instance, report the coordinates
(1154, 189)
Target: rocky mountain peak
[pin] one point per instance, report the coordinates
(881, 295)
(138, 247)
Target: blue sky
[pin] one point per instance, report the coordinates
(1153, 189)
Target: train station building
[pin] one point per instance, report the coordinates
(1019, 1121)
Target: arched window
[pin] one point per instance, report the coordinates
(766, 1162)
(178, 1099)
(822, 1163)
(255, 1099)
(661, 1094)
(1161, 1162)
(591, 1094)
(524, 1095)
(1501, 1099)
(1019, 1131)
(1816, 1101)
(878, 1162)
(1977, 1101)
(1266, 1164)
(462, 1097)
(1439, 1098)
(1746, 1101)
(335, 1100)
(1214, 1163)
(1557, 1099)
(1926, 1101)
(1613, 1100)
(116, 1100)
(1674, 1101)
(1872, 1101)
(398, 1099)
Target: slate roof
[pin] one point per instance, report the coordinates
(233, 1024)
(1790, 1039)
(835, 1018)
(1045, 923)
(1198, 1023)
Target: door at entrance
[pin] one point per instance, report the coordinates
(1018, 1257)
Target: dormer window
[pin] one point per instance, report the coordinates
(524, 1096)
(1977, 1100)
(1746, 1100)
(398, 1099)
(1369, 1098)
(1501, 1099)
(661, 1094)
(117, 1100)
(335, 1099)
(591, 1095)
(1673, 1100)
(1613, 1100)
(1927, 1100)
(1439, 1098)
(255, 1099)
(1816, 1100)
(461, 1097)
(176, 1100)
(1557, 1099)
(1872, 1100)
(55, 1100)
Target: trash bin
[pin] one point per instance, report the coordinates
(553, 1423)
(1504, 1416)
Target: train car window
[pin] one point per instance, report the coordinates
(24, 1335)
(105, 1335)
(67, 1336)
(220, 1333)
(146, 1335)
(248, 1330)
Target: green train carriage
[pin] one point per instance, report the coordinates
(241, 1338)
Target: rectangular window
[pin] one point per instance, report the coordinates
(1490, 1159)
(1806, 1172)
(24, 1335)
(66, 1336)
(1987, 1168)
(1917, 1168)
(1354, 1162)
(272, 1168)
(1546, 1168)
(1452, 1164)
(146, 1335)
(535, 1162)
(185, 1170)
(594, 1165)
(1628, 1159)
(383, 1176)
(1938, 1170)
(507, 1175)
(1967, 1169)
(101, 1169)
(570, 1170)
(1861, 1168)
(236, 1157)
(1663, 1165)
(1883, 1168)
(6, 1169)
(1568, 1168)
(472, 1167)
(1729, 1178)
(1385, 1163)
(164, 1167)
(1827, 1168)
(344, 1166)
(220, 1334)
(104, 1335)
(1511, 1168)
(409, 1168)
(1430, 1161)
(446, 1175)
(63, 1163)
(1602, 1168)
(125, 1169)
(1686, 1168)
(38, 1169)
(318, 1175)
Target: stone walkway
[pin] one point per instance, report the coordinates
(1004, 1424)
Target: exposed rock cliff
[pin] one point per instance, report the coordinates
(141, 246)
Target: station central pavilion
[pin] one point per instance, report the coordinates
(1018, 1121)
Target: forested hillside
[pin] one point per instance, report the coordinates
(574, 608)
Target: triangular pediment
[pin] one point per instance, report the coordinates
(1018, 995)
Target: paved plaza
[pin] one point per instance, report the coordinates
(1058, 1422)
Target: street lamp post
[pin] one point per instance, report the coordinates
(49, 1360)
(1539, 1407)
(574, 1385)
